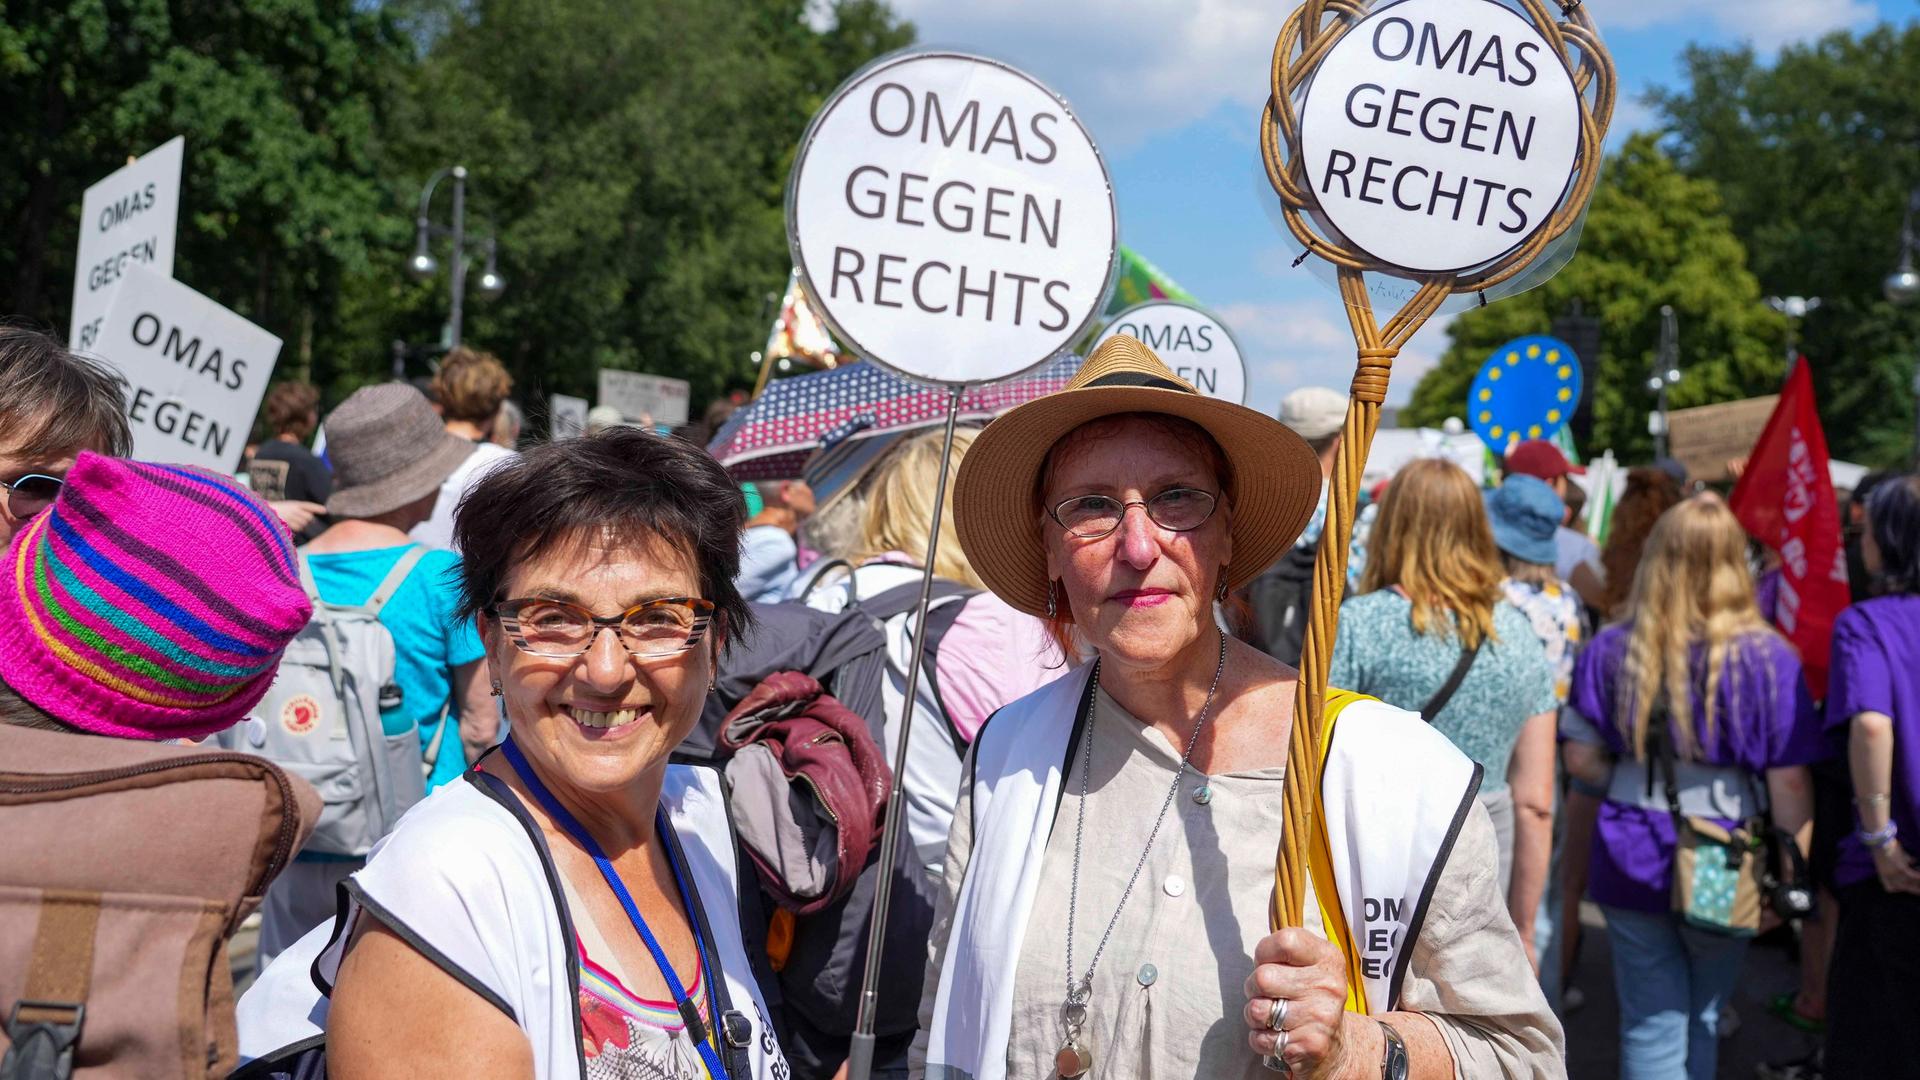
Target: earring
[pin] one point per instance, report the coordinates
(1053, 605)
(496, 689)
(1220, 594)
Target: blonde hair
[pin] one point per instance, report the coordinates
(1433, 541)
(900, 506)
(1692, 589)
(471, 385)
(1531, 573)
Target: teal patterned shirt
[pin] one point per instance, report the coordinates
(1378, 652)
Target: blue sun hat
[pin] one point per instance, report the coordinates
(1525, 512)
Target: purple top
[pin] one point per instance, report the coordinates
(1759, 724)
(1876, 668)
(1766, 595)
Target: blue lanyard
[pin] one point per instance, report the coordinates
(689, 1012)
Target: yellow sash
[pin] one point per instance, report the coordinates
(1333, 919)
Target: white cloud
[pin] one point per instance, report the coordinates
(1768, 24)
(1131, 69)
(1141, 67)
(1305, 342)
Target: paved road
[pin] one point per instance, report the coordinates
(1593, 1041)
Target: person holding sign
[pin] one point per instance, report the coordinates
(1109, 873)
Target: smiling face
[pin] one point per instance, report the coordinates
(596, 723)
(1143, 593)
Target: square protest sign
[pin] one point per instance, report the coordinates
(195, 371)
(129, 219)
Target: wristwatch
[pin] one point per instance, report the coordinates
(1393, 1064)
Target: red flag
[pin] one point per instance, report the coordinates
(1785, 501)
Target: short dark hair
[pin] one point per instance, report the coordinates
(624, 479)
(53, 400)
(290, 405)
(1893, 513)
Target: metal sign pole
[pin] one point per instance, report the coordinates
(860, 1053)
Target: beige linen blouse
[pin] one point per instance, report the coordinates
(1167, 994)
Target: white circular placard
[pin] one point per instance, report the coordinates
(952, 218)
(1439, 135)
(1197, 346)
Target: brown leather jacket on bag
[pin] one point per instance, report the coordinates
(124, 868)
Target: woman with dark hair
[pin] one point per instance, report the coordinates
(1650, 492)
(569, 907)
(1874, 695)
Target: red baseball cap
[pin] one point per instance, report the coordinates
(1540, 458)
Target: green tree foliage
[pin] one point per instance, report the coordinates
(1814, 156)
(631, 156)
(280, 104)
(1653, 236)
(633, 159)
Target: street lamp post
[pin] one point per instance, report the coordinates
(1796, 309)
(1903, 287)
(1666, 372)
(423, 266)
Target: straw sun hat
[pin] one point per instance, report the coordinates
(1275, 487)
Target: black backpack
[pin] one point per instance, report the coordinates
(1281, 599)
(818, 987)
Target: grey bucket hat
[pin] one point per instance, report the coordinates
(387, 448)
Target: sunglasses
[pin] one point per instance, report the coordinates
(31, 494)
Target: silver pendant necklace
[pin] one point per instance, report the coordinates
(1075, 1058)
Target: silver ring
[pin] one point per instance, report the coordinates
(1274, 1061)
(1277, 1016)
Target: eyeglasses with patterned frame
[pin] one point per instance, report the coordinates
(653, 630)
(1095, 517)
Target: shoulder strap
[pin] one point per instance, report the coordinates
(1659, 731)
(940, 620)
(397, 576)
(306, 577)
(818, 576)
(1459, 675)
(1081, 712)
(904, 598)
(45, 1025)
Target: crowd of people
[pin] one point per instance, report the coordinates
(513, 686)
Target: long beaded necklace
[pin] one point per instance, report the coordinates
(1075, 1057)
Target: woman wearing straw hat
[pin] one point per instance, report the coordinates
(1110, 870)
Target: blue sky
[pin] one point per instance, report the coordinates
(1172, 89)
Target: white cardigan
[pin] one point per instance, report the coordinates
(465, 879)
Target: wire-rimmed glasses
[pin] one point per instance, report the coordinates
(1091, 517)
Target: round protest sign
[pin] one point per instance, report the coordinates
(1440, 135)
(1527, 389)
(953, 219)
(1197, 346)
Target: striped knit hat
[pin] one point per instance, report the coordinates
(148, 602)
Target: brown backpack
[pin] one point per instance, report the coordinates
(124, 868)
